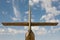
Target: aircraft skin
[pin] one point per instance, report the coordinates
(30, 35)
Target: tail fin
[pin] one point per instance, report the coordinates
(29, 17)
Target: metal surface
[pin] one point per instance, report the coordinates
(30, 35)
(29, 28)
(27, 23)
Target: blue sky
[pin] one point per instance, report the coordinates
(42, 11)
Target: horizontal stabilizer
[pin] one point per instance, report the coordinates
(27, 23)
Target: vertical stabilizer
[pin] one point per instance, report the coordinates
(29, 17)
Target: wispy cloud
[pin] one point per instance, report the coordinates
(32, 2)
(8, 1)
(42, 31)
(11, 31)
(25, 19)
(51, 12)
(54, 30)
(15, 31)
(33, 28)
(39, 31)
(2, 30)
(4, 12)
(16, 11)
(26, 12)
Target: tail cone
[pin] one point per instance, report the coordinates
(30, 35)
